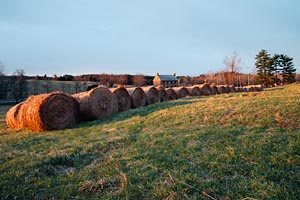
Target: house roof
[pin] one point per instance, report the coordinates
(167, 78)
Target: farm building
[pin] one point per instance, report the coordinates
(166, 80)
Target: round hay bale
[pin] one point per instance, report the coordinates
(248, 88)
(194, 91)
(258, 88)
(172, 94)
(164, 96)
(152, 95)
(214, 89)
(238, 89)
(232, 89)
(181, 92)
(53, 111)
(221, 89)
(97, 103)
(123, 98)
(137, 96)
(227, 89)
(205, 89)
(15, 116)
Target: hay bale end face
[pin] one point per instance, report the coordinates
(221, 89)
(123, 98)
(194, 91)
(181, 92)
(97, 103)
(172, 94)
(52, 111)
(205, 89)
(164, 96)
(152, 95)
(214, 90)
(137, 96)
(232, 89)
(15, 116)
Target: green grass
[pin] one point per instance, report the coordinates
(234, 146)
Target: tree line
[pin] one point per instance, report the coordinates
(274, 70)
(270, 70)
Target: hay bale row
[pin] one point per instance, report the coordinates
(59, 110)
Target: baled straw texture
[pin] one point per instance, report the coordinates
(152, 95)
(97, 103)
(205, 89)
(214, 89)
(181, 92)
(164, 96)
(123, 98)
(194, 91)
(53, 111)
(221, 89)
(15, 116)
(172, 94)
(137, 96)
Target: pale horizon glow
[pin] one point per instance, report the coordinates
(129, 37)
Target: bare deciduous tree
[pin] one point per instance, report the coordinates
(232, 67)
(138, 80)
(19, 84)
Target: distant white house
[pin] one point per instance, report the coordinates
(166, 80)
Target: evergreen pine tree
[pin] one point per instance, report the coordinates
(265, 68)
(288, 70)
(277, 68)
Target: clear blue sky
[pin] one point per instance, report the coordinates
(188, 37)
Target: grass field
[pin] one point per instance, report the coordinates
(230, 146)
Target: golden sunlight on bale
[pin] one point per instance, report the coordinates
(15, 116)
(181, 92)
(172, 94)
(152, 95)
(137, 96)
(194, 91)
(52, 111)
(123, 98)
(164, 96)
(97, 103)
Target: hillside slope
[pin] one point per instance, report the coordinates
(229, 146)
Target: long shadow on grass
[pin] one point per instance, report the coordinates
(143, 111)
